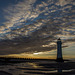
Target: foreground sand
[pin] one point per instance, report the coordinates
(39, 68)
(4, 73)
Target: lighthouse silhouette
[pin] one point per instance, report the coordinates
(59, 51)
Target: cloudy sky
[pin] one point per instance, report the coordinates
(34, 25)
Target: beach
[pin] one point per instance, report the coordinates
(40, 67)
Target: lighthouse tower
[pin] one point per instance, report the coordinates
(59, 51)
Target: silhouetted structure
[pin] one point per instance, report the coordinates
(59, 51)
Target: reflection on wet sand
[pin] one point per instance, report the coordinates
(39, 68)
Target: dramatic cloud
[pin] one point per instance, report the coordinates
(34, 25)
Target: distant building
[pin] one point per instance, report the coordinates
(59, 51)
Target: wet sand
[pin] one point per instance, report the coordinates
(4, 73)
(39, 68)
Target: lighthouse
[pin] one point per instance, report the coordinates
(59, 51)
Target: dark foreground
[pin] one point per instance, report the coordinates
(38, 67)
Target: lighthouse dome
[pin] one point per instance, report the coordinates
(59, 39)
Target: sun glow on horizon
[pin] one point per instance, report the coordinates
(35, 53)
(68, 53)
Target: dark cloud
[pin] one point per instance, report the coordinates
(34, 25)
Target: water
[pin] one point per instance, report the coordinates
(39, 68)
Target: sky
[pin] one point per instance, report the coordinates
(35, 25)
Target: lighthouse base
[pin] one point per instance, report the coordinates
(59, 60)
